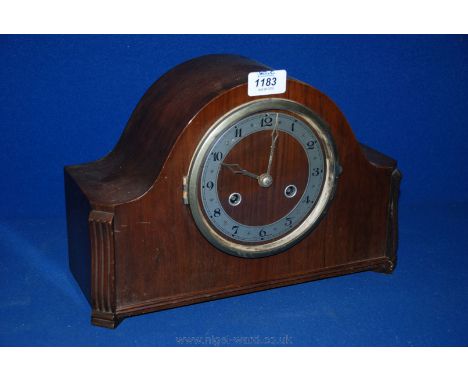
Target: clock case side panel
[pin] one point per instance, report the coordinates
(177, 266)
(91, 253)
(79, 247)
(383, 161)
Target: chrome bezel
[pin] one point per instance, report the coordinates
(330, 179)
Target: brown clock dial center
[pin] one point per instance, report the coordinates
(263, 201)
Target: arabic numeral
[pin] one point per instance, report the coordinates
(235, 228)
(308, 200)
(288, 222)
(238, 133)
(266, 121)
(210, 185)
(217, 212)
(217, 156)
(311, 144)
(269, 81)
(316, 171)
(262, 233)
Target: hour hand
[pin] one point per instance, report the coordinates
(236, 169)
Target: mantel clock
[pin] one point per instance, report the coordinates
(229, 178)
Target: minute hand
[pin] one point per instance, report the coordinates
(236, 169)
(274, 138)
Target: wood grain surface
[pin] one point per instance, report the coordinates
(160, 259)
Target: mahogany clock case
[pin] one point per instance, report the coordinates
(133, 245)
(66, 100)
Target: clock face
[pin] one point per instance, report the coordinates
(262, 177)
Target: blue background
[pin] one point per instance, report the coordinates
(66, 99)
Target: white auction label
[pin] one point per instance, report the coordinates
(264, 83)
